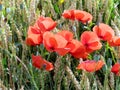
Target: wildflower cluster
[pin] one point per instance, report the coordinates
(63, 42)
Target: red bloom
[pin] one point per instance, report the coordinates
(87, 17)
(79, 15)
(116, 69)
(90, 41)
(115, 41)
(77, 49)
(45, 24)
(34, 39)
(33, 30)
(55, 42)
(91, 65)
(34, 36)
(104, 31)
(66, 34)
(71, 14)
(39, 62)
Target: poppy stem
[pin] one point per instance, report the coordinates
(112, 52)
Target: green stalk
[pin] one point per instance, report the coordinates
(33, 80)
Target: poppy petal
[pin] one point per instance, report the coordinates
(85, 17)
(95, 45)
(91, 65)
(47, 24)
(66, 14)
(33, 39)
(104, 31)
(62, 51)
(115, 41)
(49, 41)
(79, 14)
(61, 41)
(54, 41)
(40, 63)
(33, 30)
(116, 69)
(69, 14)
(76, 49)
(66, 34)
(91, 41)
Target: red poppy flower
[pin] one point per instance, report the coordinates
(79, 15)
(62, 51)
(55, 42)
(90, 41)
(45, 24)
(49, 41)
(68, 14)
(33, 30)
(115, 41)
(66, 34)
(77, 49)
(34, 39)
(91, 65)
(34, 36)
(39, 62)
(87, 17)
(116, 69)
(104, 31)
(71, 14)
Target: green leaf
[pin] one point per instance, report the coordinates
(57, 10)
(4, 62)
